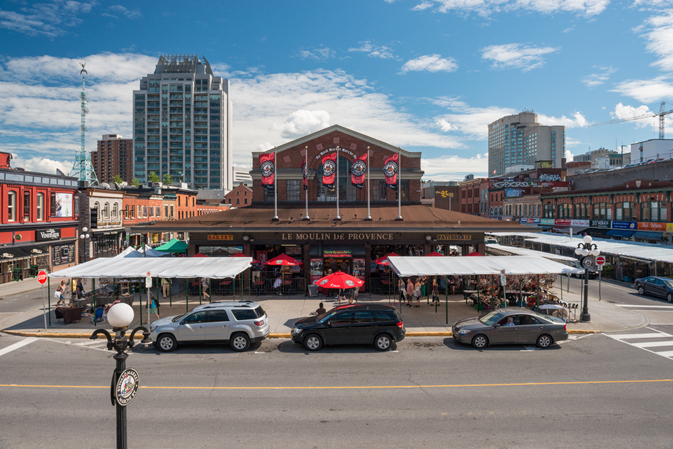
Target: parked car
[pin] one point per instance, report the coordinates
(496, 328)
(655, 286)
(239, 324)
(379, 325)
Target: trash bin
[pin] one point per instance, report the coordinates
(16, 274)
(33, 271)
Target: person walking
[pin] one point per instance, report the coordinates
(410, 292)
(165, 287)
(403, 290)
(417, 292)
(60, 293)
(205, 283)
(154, 307)
(424, 280)
(435, 292)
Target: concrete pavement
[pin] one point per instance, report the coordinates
(284, 311)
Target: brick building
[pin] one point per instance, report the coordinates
(114, 156)
(241, 196)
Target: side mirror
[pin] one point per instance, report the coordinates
(328, 323)
(496, 325)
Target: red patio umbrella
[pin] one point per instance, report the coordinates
(475, 254)
(243, 255)
(434, 254)
(199, 255)
(283, 259)
(339, 280)
(383, 260)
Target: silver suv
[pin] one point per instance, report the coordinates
(239, 324)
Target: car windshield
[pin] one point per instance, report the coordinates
(491, 318)
(325, 316)
(669, 284)
(178, 317)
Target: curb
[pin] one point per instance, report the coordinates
(276, 335)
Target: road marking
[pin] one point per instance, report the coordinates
(643, 307)
(630, 336)
(648, 344)
(18, 345)
(363, 387)
(665, 353)
(653, 344)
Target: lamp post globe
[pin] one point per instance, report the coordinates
(587, 239)
(84, 229)
(120, 315)
(578, 251)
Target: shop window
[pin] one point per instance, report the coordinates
(625, 212)
(40, 206)
(653, 211)
(11, 206)
(292, 188)
(26, 205)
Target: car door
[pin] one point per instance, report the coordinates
(529, 329)
(658, 288)
(338, 330)
(364, 326)
(506, 333)
(191, 328)
(648, 286)
(216, 326)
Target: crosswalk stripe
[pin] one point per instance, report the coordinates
(18, 345)
(647, 335)
(665, 353)
(653, 344)
(644, 307)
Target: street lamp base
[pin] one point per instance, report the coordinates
(585, 317)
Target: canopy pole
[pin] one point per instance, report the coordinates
(478, 289)
(49, 299)
(200, 290)
(538, 294)
(187, 295)
(210, 290)
(369, 215)
(446, 304)
(113, 289)
(233, 290)
(140, 296)
(170, 291)
(338, 217)
(93, 290)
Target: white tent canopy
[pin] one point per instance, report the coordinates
(530, 252)
(151, 252)
(448, 266)
(129, 252)
(171, 267)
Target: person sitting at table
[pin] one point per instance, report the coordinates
(278, 284)
(320, 310)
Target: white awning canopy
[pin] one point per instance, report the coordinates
(164, 267)
(463, 266)
(530, 252)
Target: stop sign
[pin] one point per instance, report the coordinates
(42, 277)
(600, 260)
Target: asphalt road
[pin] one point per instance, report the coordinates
(593, 392)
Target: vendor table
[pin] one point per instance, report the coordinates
(69, 314)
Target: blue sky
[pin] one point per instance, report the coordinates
(426, 75)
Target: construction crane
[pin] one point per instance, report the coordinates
(662, 112)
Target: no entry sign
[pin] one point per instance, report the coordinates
(42, 277)
(600, 260)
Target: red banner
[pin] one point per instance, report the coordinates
(329, 169)
(358, 170)
(267, 164)
(304, 171)
(390, 170)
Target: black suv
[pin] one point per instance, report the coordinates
(379, 325)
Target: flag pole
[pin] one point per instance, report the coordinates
(369, 215)
(275, 186)
(306, 181)
(399, 187)
(338, 217)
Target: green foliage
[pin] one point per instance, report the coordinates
(135, 182)
(153, 177)
(168, 179)
(118, 179)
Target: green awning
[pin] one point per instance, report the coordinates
(174, 246)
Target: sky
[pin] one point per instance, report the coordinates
(425, 75)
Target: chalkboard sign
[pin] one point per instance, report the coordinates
(313, 290)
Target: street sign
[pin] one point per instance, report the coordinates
(148, 282)
(42, 277)
(600, 267)
(600, 260)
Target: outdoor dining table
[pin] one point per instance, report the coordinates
(69, 314)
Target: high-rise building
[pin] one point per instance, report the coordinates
(520, 140)
(114, 156)
(182, 124)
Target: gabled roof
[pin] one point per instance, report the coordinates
(350, 132)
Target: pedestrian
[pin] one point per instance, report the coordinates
(424, 280)
(435, 292)
(166, 287)
(410, 292)
(205, 283)
(79, 292)
(154, 307)
(277, 285)
(417, 292)
(403, 290)
(60, 293)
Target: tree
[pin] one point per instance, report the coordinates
(118, 179)
(153, 177)
(168, 179)
(135, 182)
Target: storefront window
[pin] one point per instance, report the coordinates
(624, 212)
(549, 211)
(346, 190)
(653, 211)
(11, 206)
(292, 188)
(40, 206)
(26, 206)
(602, 211)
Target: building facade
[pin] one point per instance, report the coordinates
(520, 140)
(114, 156)
(182, 124)
(241, 196)
(651, 150)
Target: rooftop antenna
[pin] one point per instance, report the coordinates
(82, 169)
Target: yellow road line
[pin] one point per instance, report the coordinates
(364, 387)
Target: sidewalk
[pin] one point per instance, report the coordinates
(284, 311)
(15, 287)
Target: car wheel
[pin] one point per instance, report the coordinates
(480, 341)
(641, 290)
(669, 297)
(383, 342)
(239, 342)
(544, 341)
(166, 343)
(313, 342)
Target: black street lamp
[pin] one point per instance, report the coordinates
(589, 251)
(125, 382)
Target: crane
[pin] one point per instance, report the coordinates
(662, 112)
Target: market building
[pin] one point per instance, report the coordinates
(301, 217)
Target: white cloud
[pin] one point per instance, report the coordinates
(319, 54)
(470, 121)
(658, 31)
(443, 124)
(646, 91)
(41, 165)
(374, 51)
(569, 156)
(303, 122)
(626, 111)
(454, 168)
(516, 56)
(596, 79)
(486, 8)
(47, 19)
(129, 13)
(430, 63)
(577, 121)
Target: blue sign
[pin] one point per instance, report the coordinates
(625, 225)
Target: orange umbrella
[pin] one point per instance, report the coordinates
(383, 260)
(339, 280)
(283, 259)
(243, 255)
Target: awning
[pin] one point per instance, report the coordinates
(9, 253)
(503, 249)
(447, 266)
(620, 233)
(163, 267)
(566, 229)
(648, 235)
(598, 232)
